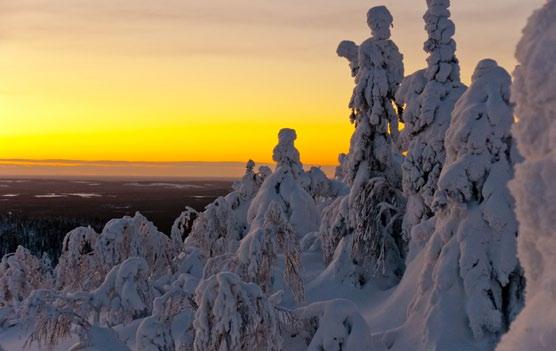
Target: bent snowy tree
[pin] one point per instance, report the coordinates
(373, 210)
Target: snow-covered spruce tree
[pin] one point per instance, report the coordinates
(285, 154)
(233, 316)
(378, 77)
(256, 259)
(378, 249)
(126, 294)
(427, 113)
(242, 196)
(534, 186)
(20, 273)
(470, 285)
(133, 237)
(373, 210)
(286, 185)
(77, 265)
(210, 231)
(219, 228)
(288, 245)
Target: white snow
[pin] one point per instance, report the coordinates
(534, 186)
(292, 260)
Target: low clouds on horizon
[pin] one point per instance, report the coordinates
(79, 168)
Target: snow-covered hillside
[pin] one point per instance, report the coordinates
(414, 245)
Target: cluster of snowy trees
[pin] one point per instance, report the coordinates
(414, 245)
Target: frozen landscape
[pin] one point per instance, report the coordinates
(435, 236)
(37, 213)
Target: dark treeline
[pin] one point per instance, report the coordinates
(39, 235)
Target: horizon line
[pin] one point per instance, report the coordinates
(183, 162)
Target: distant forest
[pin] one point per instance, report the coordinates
(39, 234)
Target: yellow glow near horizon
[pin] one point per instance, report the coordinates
(90, 108)
(98, 84)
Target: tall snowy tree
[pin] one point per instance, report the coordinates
(429, 97)
(373, 210)
(471, 286)
(534, 186)
(379, 74)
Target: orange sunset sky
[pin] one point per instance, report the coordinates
(211, 80)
